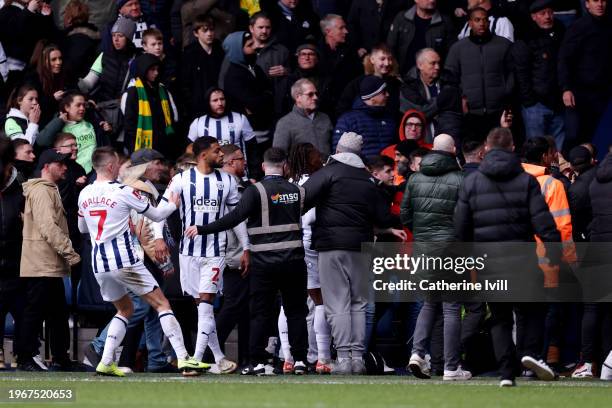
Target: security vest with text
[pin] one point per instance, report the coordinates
(276, 234)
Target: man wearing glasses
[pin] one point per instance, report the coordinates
(72, 184)
(304, 124)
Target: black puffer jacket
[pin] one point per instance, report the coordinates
(115, 67)
(348, 206)
(430, 198)
(535, 59)
(601, 202)
(580, 205)
(501, 203)
(439, 36)
(11, 206)
(484, 70)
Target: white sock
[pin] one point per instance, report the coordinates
(312, 355)
(172, 330)
(322, 333)
(116, 332)
(283, 333)
(207, 333)
(606, 368)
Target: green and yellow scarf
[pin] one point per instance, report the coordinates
(144, 131)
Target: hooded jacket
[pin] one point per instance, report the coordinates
(601, 202)
(502, 203)
(11, 226)
(373, 123)
(161, 141)
(348, 205)
(246, 86)
(428, 205)
(17, 125)
(46, 248)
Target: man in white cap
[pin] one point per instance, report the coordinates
(348, 206)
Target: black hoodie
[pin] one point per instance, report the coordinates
(601, 202)
(162, 142)
(500, 202)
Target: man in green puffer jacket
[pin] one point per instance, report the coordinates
(427, 210)
(431, 194)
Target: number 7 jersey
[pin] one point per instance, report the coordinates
(105, 208)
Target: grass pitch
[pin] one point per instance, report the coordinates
(149, 391)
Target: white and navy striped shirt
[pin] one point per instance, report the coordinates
(104, 211)
(204, 199)
(233, 128)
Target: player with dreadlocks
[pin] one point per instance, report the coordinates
(305, 159)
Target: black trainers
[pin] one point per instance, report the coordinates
(299, 368)
(247, 370)
(263, 370)
(69, 366)
(30, 365)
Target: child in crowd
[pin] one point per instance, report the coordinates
(149, 111)
(71, 119)
(24, 114)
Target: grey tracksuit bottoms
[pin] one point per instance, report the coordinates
(344, 279)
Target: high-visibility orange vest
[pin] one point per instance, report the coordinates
(556, 199)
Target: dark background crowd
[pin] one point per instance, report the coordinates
(531, 77)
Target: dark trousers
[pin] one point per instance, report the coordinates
(265, 282)
(11, 301)
(530, 334)
(45, 301)
(235, 311)
(596, 331)
(581, 122)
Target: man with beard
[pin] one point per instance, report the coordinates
(47, 256)
(211, 194)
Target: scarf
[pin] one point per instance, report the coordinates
(144, 130)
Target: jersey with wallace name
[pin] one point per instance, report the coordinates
(105, 207)
(204, 198)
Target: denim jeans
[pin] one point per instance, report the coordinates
(543, 121)
(152, 332)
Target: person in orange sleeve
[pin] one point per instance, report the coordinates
(538, 158)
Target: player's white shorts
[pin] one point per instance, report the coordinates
(312, 268)
(115, 284)
(201, 275)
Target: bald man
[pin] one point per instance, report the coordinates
(428, 213)
(445, 143)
